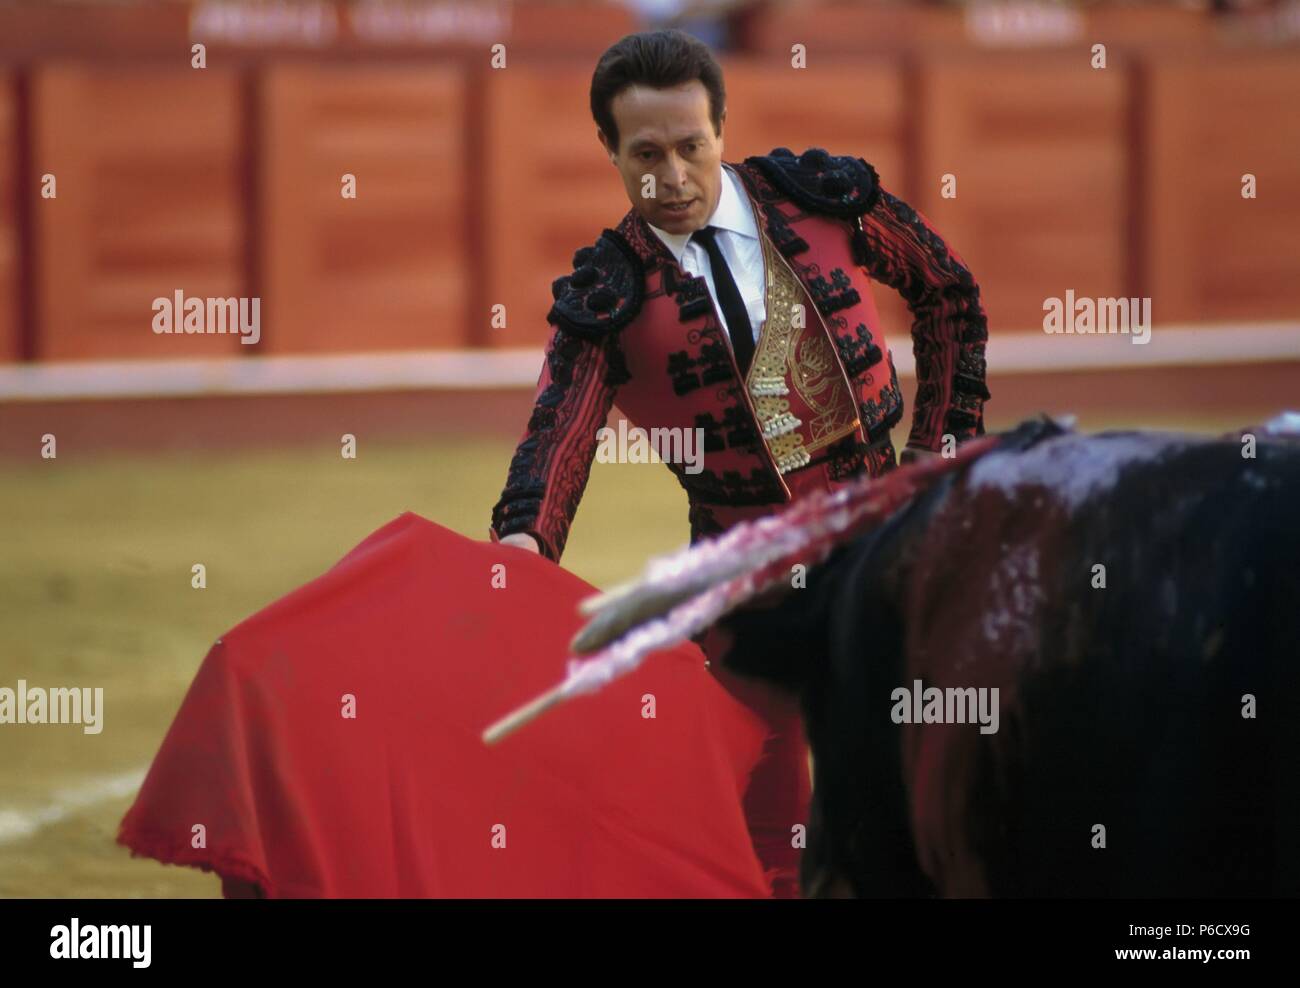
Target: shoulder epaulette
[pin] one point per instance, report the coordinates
(836, 185)
(605, 291)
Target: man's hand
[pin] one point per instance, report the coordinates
(523, 540)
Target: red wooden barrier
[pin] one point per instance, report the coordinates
(1210, 253)
(476, 185)
(1039, 150)
(10, 287)
(388, 269)
(148, 166)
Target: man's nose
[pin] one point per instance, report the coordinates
(675, 177)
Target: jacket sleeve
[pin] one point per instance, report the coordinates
(898, 247)
(552, 462)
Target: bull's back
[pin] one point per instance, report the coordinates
(1138, 605)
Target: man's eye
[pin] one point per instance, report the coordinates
(691, 148)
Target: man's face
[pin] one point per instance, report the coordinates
(667, 134)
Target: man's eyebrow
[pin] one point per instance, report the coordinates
(646, 142)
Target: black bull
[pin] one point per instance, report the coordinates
(1148, 741)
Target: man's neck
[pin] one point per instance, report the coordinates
(717, 201)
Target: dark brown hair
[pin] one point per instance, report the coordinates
(660, 60)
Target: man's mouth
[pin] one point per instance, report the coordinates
(678, 207)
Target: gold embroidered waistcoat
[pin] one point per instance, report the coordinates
(796, 383)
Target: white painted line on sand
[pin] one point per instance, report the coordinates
(20, 824)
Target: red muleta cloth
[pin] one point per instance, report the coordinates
(405, 799)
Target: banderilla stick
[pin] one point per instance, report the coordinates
(530, 711)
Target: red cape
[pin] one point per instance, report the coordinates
(404, 799)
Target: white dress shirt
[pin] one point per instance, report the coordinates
(737, 239)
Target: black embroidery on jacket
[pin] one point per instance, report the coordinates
(690, 294)
(521, 500)
(616, 372)
(784, 238)
(605, 291)
(682, 370)
(858, 352)
(819, 182)
(741, 432)
(945, 287)
(846, 459)
(831, 296)
(971, 369)
(703, 522)
(717, 361)
(880, 416)
(732, 488)
(713, 440)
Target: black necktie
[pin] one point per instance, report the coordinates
(733, 306)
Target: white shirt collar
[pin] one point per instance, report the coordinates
(733, 213)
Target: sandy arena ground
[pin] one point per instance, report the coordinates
(95, 557)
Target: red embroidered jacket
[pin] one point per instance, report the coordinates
(631, 325)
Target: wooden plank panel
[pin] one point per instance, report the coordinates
(1211, 254)
(850, 27)
(845, 107)
(550, 189)
(388, 269)
(10, 329)
(580, 29)
(853, 27)
(97, 31)
(148, 169)
(1038, 146)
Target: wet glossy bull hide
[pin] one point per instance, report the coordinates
(1148, 739)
